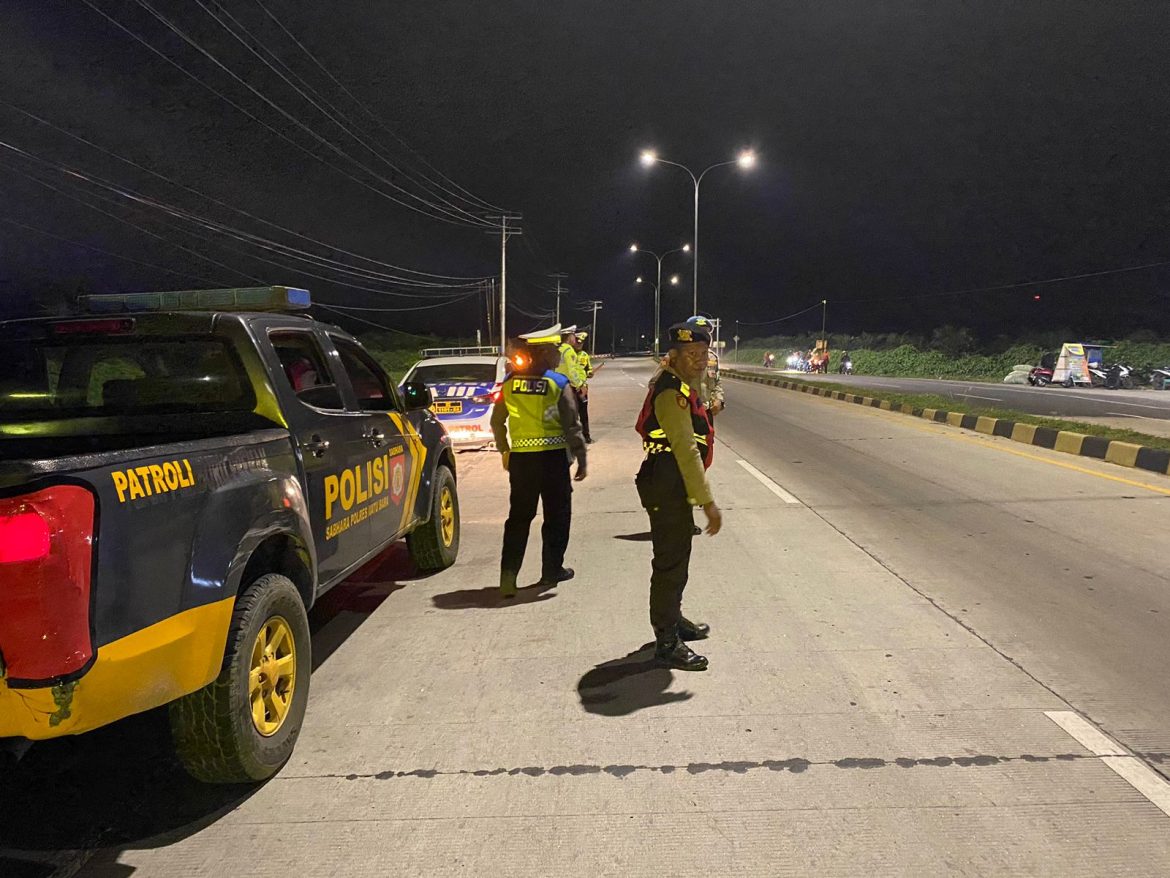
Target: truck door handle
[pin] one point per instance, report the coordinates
(317, 445)
(377, 437)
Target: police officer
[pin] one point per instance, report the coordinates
(679, 440)
(536, 426)
(586, 364)
(711, 385)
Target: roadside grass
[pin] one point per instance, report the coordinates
(949, 404)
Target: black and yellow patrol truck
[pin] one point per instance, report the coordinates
(181, 476)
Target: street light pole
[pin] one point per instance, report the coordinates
(634, 248)
(746, 160)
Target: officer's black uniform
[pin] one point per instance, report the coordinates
(678, 437)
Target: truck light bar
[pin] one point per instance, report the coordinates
(238, 299)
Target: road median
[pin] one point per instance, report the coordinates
(1084, 440)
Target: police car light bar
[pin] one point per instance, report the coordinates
(237, 299)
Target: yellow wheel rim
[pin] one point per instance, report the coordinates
(447, 517)
(272, 679)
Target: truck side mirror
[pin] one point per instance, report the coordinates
(416, 396)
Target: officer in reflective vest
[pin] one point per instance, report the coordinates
(536, 427)
(679, 441)
(586, 364)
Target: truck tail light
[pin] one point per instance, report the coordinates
(46, 552)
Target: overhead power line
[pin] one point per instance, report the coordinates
(139, 39)
(472, 198)
(268, 57)
(780, 319)
(130, 223)
(372, 323)
(435, 211)
(110, 253)
(78, 138)
(972, 291)
(1018, 285)
(398, 310)
(253, 240)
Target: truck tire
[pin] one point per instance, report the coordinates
(435, 545)
(241, 728)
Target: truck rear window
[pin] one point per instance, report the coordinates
(88, 376)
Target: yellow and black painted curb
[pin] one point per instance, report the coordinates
(1122, 453)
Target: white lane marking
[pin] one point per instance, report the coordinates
(1127, 766)
(1138, 405)
(974, 396)
(769, 484)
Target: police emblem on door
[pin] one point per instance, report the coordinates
(397, 479)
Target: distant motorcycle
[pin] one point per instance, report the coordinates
(846, 367)
(1040, 377)
(1116, 376)
(1160, 378)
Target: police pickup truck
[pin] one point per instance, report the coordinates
(181, 476)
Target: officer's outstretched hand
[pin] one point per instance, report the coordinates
(579, 476)
(507, 455)
(714, 518)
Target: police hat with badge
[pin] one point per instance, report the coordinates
(689, 333)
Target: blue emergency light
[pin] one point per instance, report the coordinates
(236, 299)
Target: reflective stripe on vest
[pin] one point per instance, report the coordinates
(654, 439)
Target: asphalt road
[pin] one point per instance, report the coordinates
(920, 636)
(1053, 400)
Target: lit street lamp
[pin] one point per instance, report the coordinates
(634, 248)
(746, 161)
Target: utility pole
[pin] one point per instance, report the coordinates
(559, 276)
(490, 289)
(596, 305)
(824, 315)
(509, 225)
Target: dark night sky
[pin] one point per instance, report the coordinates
(906, 149)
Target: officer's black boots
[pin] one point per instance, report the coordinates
(674, 653)
(565, 575)
(507, 583)
(688, 630)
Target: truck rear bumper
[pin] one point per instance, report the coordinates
(148, 668)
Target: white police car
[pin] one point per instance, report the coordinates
(464, 389)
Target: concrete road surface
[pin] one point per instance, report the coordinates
(1141, 409)
(933, 653)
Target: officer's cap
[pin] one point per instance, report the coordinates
(686, 333)
(568, 330)
(699, 321)
(552, 335)
(581, 336)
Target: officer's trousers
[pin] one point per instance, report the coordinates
(671, 531)
(672, 522)
(583, 409)
(542, 475)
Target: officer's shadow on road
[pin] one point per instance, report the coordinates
(489, 598)
(625, 685)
